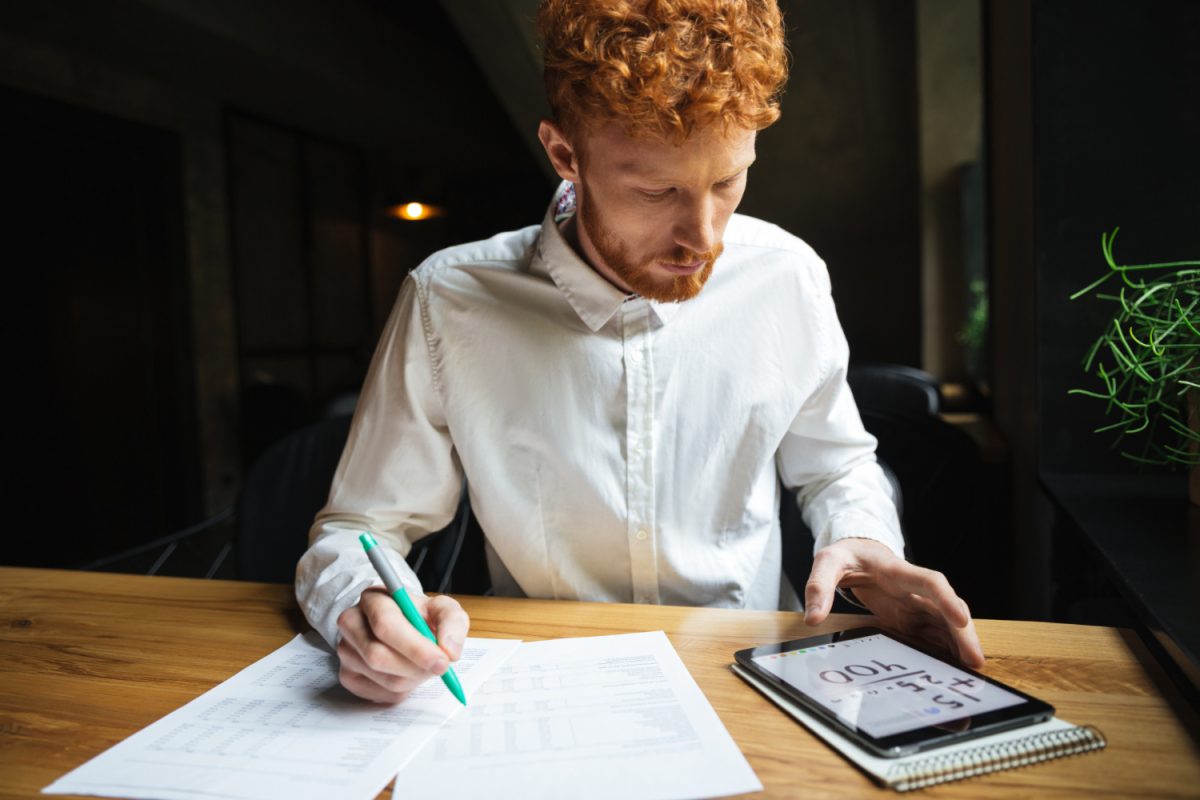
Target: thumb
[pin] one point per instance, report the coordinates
(827, 570)
(450, 622)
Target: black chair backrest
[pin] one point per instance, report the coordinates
(938, 467)
(895, 388)
(289, 484)
(281, 494)
(942, 482)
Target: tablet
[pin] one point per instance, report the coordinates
(890, 698)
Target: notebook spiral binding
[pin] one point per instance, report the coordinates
(993, 758)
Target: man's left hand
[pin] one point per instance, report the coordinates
(912, 600)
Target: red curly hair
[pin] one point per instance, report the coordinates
(663, 68)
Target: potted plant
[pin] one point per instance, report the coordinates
(1147, 361)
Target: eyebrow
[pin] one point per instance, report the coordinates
(740, 169)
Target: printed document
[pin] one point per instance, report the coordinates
(600, 717)
(282, 727)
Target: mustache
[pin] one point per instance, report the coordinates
(682, 255)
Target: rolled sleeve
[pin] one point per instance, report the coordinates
(830, 457)
(398, 477)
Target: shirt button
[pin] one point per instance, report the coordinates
(642, 534)
(635, 356)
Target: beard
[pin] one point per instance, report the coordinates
(640, 276)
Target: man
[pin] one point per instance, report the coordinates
(625, 385)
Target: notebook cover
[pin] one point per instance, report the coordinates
(1054, 738)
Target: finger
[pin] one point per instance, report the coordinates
(967, 646)
(353, 627)
(450, 622)
(908, 616)
(962, 641)
(390, 629)
(407, 677)
(931, 585)
(934, 634)
(376, 655)
(829, 566)
(367, 689)
(927, 608)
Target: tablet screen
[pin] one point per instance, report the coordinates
(884, 687)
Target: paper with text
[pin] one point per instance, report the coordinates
(600, 717)
(282, 727)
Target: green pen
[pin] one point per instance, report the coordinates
(400, 595)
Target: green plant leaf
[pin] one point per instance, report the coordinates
(1152, 336)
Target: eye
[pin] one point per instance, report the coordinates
(654, 196)
(728, 183)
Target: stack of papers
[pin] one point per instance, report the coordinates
(602, 717)
(582, 718)
(282, 727)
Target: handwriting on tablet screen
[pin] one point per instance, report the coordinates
(883, 686)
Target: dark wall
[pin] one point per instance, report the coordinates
(95, 341)
(393, 80)
(1116, 125)
(386, 88)
(840, 169)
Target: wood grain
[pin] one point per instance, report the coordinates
(87, 659)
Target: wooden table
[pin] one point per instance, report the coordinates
(1145, 537)
(87, 659)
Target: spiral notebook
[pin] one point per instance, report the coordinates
(1044, 741)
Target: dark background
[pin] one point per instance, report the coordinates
(1116, 121)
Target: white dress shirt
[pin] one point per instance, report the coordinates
(616, 449)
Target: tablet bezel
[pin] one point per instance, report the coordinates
(1031, 711)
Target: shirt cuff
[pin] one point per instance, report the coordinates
(333, 574)
(856, 524)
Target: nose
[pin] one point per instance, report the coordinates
(695, 230)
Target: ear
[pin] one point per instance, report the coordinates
(560, 151)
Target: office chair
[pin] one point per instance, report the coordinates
(897, 388)
(287, 486)
(937, 472)
(280, 495)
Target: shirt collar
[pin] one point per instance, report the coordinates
(594, 299)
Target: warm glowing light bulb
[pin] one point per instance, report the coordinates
(414, 211)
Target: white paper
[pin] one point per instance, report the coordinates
(602, 717)
(282, 727)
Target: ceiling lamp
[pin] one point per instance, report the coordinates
(414, 212)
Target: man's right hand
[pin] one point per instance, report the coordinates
(383, 657)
